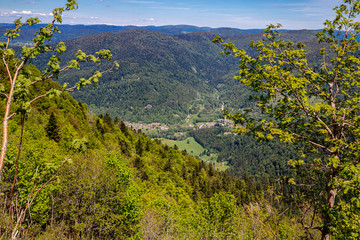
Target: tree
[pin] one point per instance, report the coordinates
(316, 105)
(53, 129)
(123, 128)
(16, 81)
(222, 207)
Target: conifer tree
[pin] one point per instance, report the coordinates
(53, 129)
(139, 147)
(99, 126)
(108, 121)
(123, 128)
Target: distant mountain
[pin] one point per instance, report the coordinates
(160, 78)
(163, 77)
(230, 32)
(75, 31)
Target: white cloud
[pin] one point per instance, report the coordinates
(23, 12)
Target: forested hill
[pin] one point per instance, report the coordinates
(118, 183)
(162, 77)
(74, 31)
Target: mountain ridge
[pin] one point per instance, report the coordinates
(163, 77)
(72, 31)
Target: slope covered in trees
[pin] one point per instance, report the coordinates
(245, 155)
(121, 184)
(85, 176)
(161, 76)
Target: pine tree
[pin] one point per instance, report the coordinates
(53, 129)
(123, 128)
(108, 121)
(139, 147)
(99, 126)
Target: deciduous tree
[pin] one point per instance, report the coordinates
(15, 81)
(317, 105)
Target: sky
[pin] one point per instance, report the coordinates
(243, 14)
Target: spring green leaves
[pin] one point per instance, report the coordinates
(316, 105)
(18, 77)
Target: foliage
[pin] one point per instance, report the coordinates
(317, 105)
(175, 74)
(109, 191)
(17, 78)
(53, 129)
(18, 87)
(245, 155)
(117, 183)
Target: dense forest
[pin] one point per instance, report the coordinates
(72, 168)
(163, 77)
(121, 184)
(245, 155)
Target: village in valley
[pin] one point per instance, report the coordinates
(193, 126)
(178, 136)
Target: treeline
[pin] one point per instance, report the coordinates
(111, 182)
(245, 155)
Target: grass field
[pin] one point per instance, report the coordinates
(193, 148)
(189, 144)
(221, 168)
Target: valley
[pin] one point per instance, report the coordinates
(162, 77)
(151, 145)
(174, 83)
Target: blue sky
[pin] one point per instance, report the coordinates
(244, 14)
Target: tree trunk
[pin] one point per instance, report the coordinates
(325, 232)
(5, 134)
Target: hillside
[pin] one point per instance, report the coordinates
(162, 77)
(121, 184)
(182, 79)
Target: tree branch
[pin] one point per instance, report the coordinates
(36, 98)
(4, 94)
(313, 143)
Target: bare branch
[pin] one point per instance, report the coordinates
(313, 143)
(11, 115)
(36, 98)
(50, 76)
(7, 69)
(58, 171)
(4, 94)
